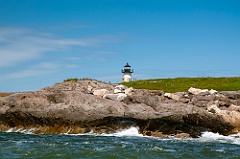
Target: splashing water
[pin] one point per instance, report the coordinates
(132, 131)
(216, 137)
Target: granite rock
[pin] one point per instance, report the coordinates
(71, 107)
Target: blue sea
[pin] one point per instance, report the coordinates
(125, 144)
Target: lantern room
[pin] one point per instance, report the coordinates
(127, 73)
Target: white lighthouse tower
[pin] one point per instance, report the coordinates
(127, 73)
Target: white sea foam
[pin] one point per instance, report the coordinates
(29, 131)
(211, 137)
(26, 131)
(214, 136)
(10, 130)
(132, 131)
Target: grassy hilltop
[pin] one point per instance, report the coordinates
(183, 84)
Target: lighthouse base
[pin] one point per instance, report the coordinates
(127, 78)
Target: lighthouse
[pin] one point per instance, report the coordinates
(127, 73)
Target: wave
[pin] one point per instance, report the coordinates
(130, 132)
(134, 132)
(21, 130)
(216, 137)
(205, 137)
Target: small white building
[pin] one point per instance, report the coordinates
(127, 73)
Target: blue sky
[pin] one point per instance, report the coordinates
(43, 42)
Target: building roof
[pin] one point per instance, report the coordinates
(127, 65)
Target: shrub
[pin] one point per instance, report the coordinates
(71, 79)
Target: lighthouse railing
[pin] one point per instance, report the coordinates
(127, 70)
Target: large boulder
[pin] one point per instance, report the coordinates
(172, 96)
(230, 116)
(178, 96)
(129, 91)
(119, 97)
(233, 96)
(100, 92)
(196, 91)
(202, 100)
(120, 89)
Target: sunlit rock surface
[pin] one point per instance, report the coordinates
(73, 107)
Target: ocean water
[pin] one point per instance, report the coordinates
(125, 144)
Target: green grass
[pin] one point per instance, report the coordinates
(183, 84)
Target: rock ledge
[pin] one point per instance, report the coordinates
(89, 105)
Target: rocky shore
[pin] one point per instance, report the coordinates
(92, 106)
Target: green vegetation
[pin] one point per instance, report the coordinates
(76, 79)
(183, 84)
(71, 79)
